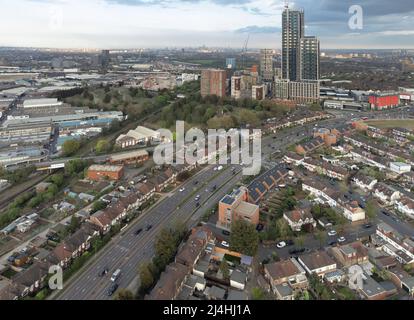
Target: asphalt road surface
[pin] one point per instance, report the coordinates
(127, 250)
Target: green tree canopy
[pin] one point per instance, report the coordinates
(244, 238)
(70, 147)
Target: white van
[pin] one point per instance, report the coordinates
(116, 275)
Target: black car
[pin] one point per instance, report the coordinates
(103, 272)
(332, 243)
(138, 231)
(111, 290)
(214, 187)
(385, 212)
(289, 242)
(148, 227)
(367, 226)
(197, 204)
(297, 250)
(259, 227)
(196, 182)
(226, 233)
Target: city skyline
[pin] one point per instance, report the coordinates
(171, 23)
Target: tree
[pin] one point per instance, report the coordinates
(124, 294)
(57, 179)
(258, 294)
(70, 147)
(107, 98)
(146, 276)
(283, 229)
(244, 238)
(371, 210)
(224, 268)
(76, 166)
(103, 146)
(98, 205)
(74, 224)
(321, 236)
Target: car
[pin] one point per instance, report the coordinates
(332, 243)
(297, 250)
(182, 189)
(385, 213)
(138, 231)
(259, 227)
(290, 242)
(111, 290)
(332, 233)
(197, 197)
(116, 275)
(367, 226)
(214, 187)
(103, 272)
(225, 232)
(281, 244)
(225, 244)
(196, 182)
(219, 168)
(215, 168)
(197, 204)
(341, 239)
(148, 227)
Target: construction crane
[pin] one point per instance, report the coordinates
(244, 51)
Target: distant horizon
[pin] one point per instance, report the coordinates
(189, 47)
(185, 23)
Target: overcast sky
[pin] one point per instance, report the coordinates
(182, 23)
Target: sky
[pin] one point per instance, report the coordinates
(116, 24)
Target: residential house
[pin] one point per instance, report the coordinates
(400, 247)
(285, 272)
(238, 279)
(318, 262)
(364, 182)
(350, 254)
(405, 205)
(386, 194)
(402, 279)
(299, 218)
(170, 283)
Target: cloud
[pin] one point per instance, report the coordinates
(142, 23)
(257, 29)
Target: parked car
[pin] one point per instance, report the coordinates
(138, 231)
(281, 244)
(290, 242)
(259, 227)
(225, 244)
(297, 250)
(182, 189)
(148, 227)
(225, 232)
(367, 226)
(341, 239)
(332, 243)
(332, 233)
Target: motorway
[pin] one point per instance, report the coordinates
(127, 250)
